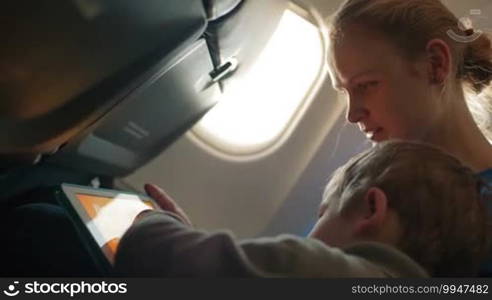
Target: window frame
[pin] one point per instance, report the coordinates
(206, 141)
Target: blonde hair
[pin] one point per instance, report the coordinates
(438, 200)
(410, 25)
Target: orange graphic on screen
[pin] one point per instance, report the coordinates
(92, 204)
(110, 247)
(110, 217)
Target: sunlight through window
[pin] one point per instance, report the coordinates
(253, 113)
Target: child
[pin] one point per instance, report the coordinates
(400, 209)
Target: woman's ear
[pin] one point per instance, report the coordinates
(440, 61)
(374, 213)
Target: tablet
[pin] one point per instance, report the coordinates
(102, 216)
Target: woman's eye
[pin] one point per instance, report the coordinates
(362, 87)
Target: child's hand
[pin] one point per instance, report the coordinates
(165, 202)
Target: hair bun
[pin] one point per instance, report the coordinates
(477, 64)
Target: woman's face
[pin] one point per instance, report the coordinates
(388, 96)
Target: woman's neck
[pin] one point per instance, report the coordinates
(458, 133)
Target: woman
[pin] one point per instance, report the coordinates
(406, 76)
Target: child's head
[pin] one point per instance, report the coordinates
(396, 59)
(414, 197)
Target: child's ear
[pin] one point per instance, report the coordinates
(374, 212)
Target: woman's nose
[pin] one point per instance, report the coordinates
(355, 111)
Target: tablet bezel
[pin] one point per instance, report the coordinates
(69, 200)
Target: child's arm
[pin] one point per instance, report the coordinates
(159, 244)
(163, 243)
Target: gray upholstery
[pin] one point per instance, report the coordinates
(78, 58)
(130, 76)
(219, 8)
(149, 119)
(102, 67)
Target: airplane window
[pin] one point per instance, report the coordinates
(255, 112)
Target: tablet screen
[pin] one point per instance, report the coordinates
(107, 218)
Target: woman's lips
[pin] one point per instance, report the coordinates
(374, 135)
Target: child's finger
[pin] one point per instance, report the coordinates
(162, 199)
(166, 202)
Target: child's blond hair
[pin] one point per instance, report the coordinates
(439, 202)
